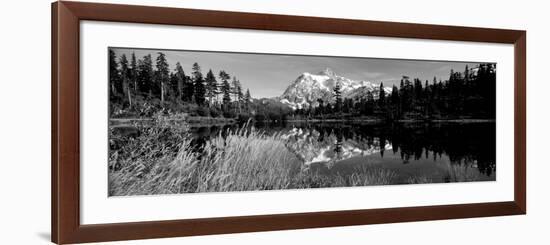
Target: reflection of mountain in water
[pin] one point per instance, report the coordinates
(470, 145)
(313, 146)
(418, 146)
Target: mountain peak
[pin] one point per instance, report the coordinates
(309, 88)
(327, 72)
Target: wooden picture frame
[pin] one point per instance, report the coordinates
(65, 168)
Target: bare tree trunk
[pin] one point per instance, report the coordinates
(180, 88)
(113, 90)
(126, 90)
(162, 91)
(129, 96)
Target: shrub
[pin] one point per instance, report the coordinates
(243, 117)
(229, 114)
(190, 108)
(239, 160)
(203, 111)
(259, 117)
(215, 112)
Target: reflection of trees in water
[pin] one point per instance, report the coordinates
(471, 144)
(342, 134)
(338, 143)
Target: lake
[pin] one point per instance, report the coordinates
(415, 152)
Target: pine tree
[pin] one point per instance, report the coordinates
(395, 102)
(125, 75)
(434, 95)
(240, 94)
(247, 99)
(347, 105)
(163, 74)
(418, 90)
(211, 86)
(451, 83)
(405, 94)
(369, 106)
(240, 97)
(134, 73)
(225, 88)
(145, 74)
(200, 89)
(180, 79)
(114, 76)
(337, 94)
(236, 84)
(188, 89)
(381, 96)
(394, 95)
(321, 107)
(361, 106)
(173, 88)
(427, 99)
(466, 74)
(426, 89)
(218, 91)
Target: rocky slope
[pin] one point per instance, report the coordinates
(309, 88)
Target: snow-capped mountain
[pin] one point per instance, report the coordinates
(308, 88)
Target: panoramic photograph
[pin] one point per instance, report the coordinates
(183, 121)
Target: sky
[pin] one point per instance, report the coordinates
(268, 75)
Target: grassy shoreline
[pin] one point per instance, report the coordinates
(162, 160)
(198, 121)
(242, 160)
(195, 120)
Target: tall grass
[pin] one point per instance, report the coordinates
(418, 179)
(453, 172)
(462, 173)
(245, 160)
(162, 161)
(363, 176)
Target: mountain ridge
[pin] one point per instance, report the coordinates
(309, 89)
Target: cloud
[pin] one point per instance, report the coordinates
(391, 79)
(373, 75)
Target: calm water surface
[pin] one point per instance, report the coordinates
(408, 149)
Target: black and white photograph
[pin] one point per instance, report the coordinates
(192, 121)
(275, 122)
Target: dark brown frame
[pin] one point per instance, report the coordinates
(65, 175)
